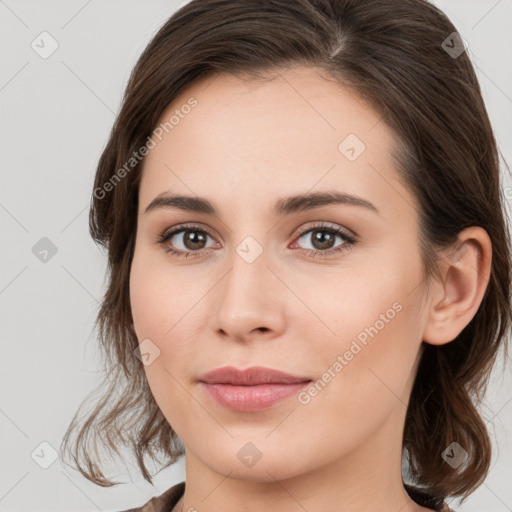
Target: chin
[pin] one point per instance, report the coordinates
(256, 461)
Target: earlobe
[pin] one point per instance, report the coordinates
(465, 275)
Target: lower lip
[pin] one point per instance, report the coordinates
(252, 398)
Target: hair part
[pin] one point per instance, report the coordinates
(390, 53)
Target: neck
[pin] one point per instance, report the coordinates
(368, 478)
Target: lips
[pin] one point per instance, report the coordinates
(252, 389)
(252, 376)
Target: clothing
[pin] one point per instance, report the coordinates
(164, 502)
(169, 498)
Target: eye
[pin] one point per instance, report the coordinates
(188, 240)
(322, 240)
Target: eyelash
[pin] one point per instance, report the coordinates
(349, 240)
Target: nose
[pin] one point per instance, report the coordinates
(249, 301)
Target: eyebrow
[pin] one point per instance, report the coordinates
(283, 206)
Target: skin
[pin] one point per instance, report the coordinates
(245, 145)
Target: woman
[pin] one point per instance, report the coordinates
(309, 264)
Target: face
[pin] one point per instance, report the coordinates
(331, 291)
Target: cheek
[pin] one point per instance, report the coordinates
(375, 319)
(161, 295)
(347, 302)
(158, 302)
(168, 309)
(363, 375)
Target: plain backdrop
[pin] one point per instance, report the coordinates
(56, 115)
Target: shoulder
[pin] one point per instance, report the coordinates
(162, 503)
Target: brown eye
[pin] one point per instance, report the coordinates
(323, 239)
(194, 240)
(185, 241)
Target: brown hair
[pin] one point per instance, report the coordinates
(392, 54)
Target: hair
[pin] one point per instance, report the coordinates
(391, 53)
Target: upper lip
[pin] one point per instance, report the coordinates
(250, 376)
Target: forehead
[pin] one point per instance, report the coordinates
(284, 135)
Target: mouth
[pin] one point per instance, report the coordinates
(252, 389)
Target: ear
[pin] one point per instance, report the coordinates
(455, 299)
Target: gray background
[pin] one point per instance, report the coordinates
(56, 116)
